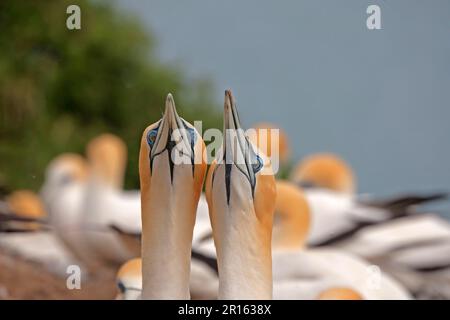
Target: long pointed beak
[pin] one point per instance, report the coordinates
(170, 122)
(237, 149)
(234, 140)
(171, 117)
(172, 136)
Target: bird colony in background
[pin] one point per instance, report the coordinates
(232, 230)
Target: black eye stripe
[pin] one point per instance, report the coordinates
(153, 138)
(256, 166)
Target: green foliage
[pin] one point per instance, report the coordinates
(59, 87)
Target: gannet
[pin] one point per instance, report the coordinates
(241, 202)
(337, 213)
(28, 235)
(302, 273)
(172, 168)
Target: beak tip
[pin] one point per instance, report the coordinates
(170, 103)
(169, 98)
(228, 99)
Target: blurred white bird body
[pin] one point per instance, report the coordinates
(41, 247)
(388, 232)
(202, 227)
(30, 240)
(63, 193)
(304, 274)
(335, 213)
(417, 242)
(105, 207)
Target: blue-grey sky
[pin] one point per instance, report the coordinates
(380, 98)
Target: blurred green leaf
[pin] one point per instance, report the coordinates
(59, 87)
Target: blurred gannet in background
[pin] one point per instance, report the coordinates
(329, 186)
(63, 193)
(414, 249)
(412, 246)
(106, 204)
(203, 282)
(171, 169)
(339, 293)
(85, 199)
(19, 211)
(264, 141)
(301, 273)
(129, 280)
(241, 202)
(27, 235)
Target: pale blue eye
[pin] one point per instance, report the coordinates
(151, 136)
(258, 165)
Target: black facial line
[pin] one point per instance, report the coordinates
(158, 137)
(169, 147)
(252, 183)
(228, 169)
(192, 145)
(159, 128)
(251, 152)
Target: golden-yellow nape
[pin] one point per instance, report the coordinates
(172, 168)
(129, 280)
(339, 293)
(292, 217)
(107, 155)
(27, 204)
(131, 268)
(265, 133)
(241, 193)
(327, 171)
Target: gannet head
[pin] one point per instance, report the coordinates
(171, 156)
(107, 156)
(25, 203)
(339, 293)
(64, 171)
(240, 191)
(129, 280)
(241, 178)
(327, 171)
(292, 217)
(264, 140)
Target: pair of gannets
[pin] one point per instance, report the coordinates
(241, 203)
(23, 232)
(299, 273)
